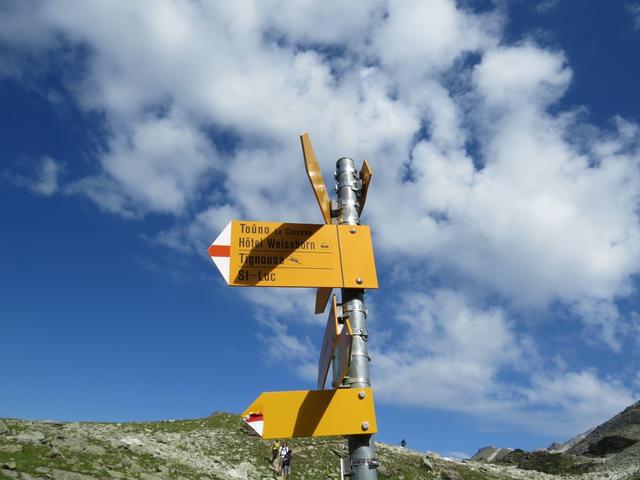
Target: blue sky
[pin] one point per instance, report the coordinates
(504, 139)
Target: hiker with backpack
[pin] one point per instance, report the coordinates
(275, 451)
(286, 463)
(281, 453)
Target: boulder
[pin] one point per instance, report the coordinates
(426, 463)
(31, 437)
(65, 475)
(11, 448)
(450, 475)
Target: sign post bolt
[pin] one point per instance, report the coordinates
(361, 447)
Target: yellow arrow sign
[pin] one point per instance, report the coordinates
(313, 413)
(275, 254)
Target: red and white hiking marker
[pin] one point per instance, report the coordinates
(220, 251)
(255, 421)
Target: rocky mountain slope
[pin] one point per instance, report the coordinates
(221, 447)
(611, 450)
(620, 436)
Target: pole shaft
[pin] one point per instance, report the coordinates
(361, 447)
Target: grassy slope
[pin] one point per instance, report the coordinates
(209, 448)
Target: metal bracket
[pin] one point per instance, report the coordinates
(371, 462)
(335, 209)
(354, 307)
(366, 381)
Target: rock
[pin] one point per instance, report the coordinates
(94, 450)
(65, 475)
(26, 476)
(75, 444)
(8, 473)
(42, 470)
(149, 476)
(450, 475)
(426, 463)
(54, 453)
(31, 437)
(3, 428)
(11, 448)
(9, 465)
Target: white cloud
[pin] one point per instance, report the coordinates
(44, 180)
(452, 355)
(547, 6)
(447, 350)
(522, 74)
(287, 350)
(563, 403)
(420, 36)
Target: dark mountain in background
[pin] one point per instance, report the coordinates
(618, 436)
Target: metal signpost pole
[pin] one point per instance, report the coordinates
(361, 447)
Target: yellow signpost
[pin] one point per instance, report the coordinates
(276, 254)
(315, 413)
(336, 254)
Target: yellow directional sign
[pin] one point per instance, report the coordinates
(315, 177)
(275, 254)
(314, 413)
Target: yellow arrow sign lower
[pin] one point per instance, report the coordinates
(276, 254)
(313, 413)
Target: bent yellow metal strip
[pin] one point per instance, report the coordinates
(315, 413)
(365, 175)
(322, 297)
(315, 177)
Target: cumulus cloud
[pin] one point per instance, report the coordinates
(448, 350)
(482, 181)
(454, 355)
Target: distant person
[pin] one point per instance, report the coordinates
(275, 451)
(286, 464)
(403, 443)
